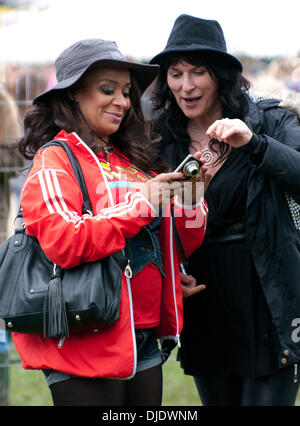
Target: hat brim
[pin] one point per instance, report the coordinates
(162, 56)
(144, 74)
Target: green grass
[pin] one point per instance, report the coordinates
(179, 389)
(29, 388)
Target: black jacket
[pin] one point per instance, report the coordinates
(274, 156)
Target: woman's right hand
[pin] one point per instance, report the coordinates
(160, 190)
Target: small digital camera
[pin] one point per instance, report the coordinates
(190, 166)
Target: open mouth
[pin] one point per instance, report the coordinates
(191, 101)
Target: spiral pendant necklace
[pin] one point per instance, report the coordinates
(208, 155)
(200, 145)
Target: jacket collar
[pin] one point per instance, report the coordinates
(77, 145)
(73, 139)
(257, 105)
(254, 118)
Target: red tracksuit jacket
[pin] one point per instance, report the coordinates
(52, 201)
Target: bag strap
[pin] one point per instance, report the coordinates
(86, 206)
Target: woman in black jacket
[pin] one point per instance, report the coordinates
(241, 334)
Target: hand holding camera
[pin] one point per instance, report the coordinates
(190, 167)
(193, 169)
(183, 182)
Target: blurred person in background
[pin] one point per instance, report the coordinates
(237, 339)
(24, 84)
(28, 83)
(280, 79)
(10, 162)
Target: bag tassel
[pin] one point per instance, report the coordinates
(55, 313)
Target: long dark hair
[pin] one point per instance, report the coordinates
(60, 111)
(232, 88)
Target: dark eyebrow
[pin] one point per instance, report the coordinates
(112, 81)
(173, 67)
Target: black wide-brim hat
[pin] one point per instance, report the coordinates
(74, 61)
(190, 34)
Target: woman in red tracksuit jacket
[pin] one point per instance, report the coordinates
(95, 108)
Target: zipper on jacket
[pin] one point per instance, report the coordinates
(131, 323)
(128, 270)
(173, 281)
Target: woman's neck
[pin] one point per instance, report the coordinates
(103, 141)
(200, 141)
(204, 122)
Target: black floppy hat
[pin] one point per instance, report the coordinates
(74, 61)
(190, 34)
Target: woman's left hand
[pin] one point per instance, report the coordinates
(232, 131)
(189, 285)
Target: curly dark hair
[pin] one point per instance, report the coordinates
(232, 88)
(46, 118)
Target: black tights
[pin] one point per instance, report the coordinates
(145, 388)
(233, 390)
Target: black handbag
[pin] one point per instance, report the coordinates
(37, 296)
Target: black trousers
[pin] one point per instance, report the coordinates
(278, 389)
